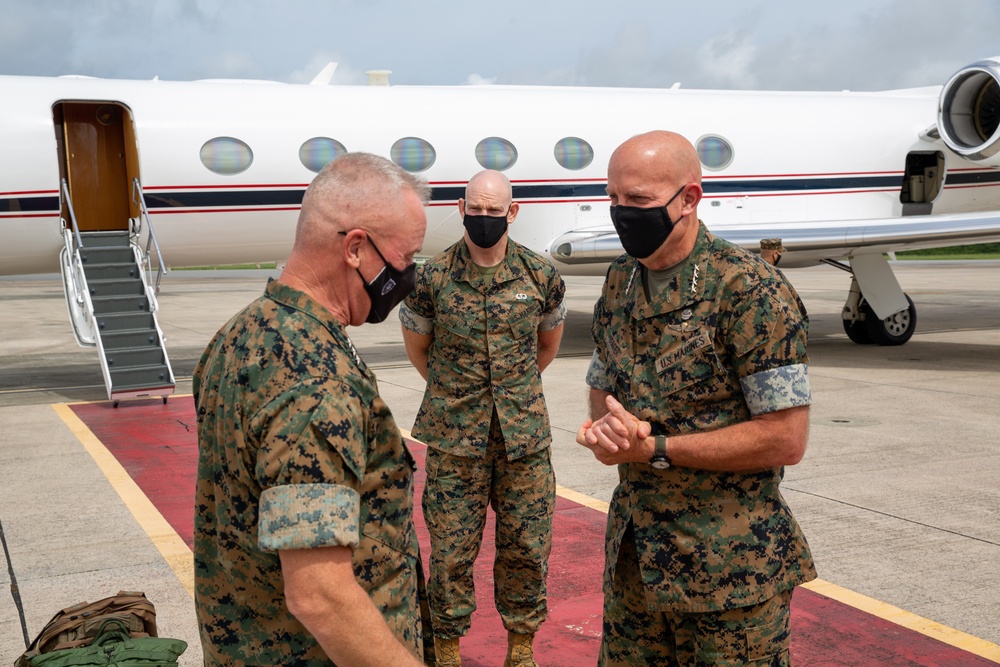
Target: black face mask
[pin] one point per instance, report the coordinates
(643, 230)
(388, 288)
(486, 230)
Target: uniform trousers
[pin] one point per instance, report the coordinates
(456, 495)
(636, 635)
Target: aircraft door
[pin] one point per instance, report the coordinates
(921, 182)
(98, 159)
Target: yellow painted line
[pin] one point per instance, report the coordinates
(883, 610)
(170, 545)
(177, 555)
(924, 626)
(582, 499)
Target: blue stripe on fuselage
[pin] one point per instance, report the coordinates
(208, 199)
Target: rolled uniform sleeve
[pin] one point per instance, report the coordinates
(550, 320)
(597, 374)
(421, 300)
(554, 309)
(414, 322)
(768, 346)
(309, 467)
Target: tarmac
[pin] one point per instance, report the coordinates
(897, 494)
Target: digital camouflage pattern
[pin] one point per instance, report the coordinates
(485, 350)
(754, 636)
(484, 419)
(523, 496)
(296, 451)
(726, 340)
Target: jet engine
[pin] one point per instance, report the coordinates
(969, 110)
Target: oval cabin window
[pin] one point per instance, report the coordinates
(714, 152)
(573, 153)
(226, 156)
(496, 153)
(413, 154)
(318, 152)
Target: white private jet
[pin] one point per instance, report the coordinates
(217, 169)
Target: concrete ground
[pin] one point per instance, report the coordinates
(898, 493)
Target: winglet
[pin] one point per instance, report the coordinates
(323, 78)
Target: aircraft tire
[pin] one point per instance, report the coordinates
(857, 332)
(893, 330)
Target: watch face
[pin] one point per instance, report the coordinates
(660, 463)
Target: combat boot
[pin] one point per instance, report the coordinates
(447, 652)
(519, 652)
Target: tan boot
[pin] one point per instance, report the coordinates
(446, 651)
(519, 652)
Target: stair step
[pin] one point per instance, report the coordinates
(121, 322)
(104, 239)
(133, 303)
(117, 340)
(140, 377)
(115, 287)
(132, 357)
(107, 255)
(111, 270)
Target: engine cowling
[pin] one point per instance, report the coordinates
(969, 110)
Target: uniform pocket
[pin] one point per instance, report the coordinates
(691, 362)
(523, 327)
(769, 640)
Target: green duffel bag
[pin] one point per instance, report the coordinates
(115, 647)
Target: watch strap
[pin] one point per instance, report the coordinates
(660, 446)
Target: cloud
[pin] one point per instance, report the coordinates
(856, 44)
(477, 80)
(729, 59)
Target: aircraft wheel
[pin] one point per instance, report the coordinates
(857, 332)
(893, 330)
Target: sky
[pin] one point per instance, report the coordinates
(728, 44)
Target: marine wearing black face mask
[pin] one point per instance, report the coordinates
(387, 289)
(643, 230)
(485, 230)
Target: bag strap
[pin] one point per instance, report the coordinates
(108, 633)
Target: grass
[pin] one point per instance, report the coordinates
(978, 251)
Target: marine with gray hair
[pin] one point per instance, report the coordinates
(305, 551)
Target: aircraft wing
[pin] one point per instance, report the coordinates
(807, 243)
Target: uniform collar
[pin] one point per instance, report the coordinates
(464, 270)
(297, 299)
(686, 287)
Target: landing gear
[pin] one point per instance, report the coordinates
(861, 324)
(893, 330)
(857, 332)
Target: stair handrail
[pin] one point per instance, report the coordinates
(64, 188)
(138, 198)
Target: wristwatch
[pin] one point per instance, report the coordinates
(659, 459)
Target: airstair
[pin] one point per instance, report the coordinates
(111, 293)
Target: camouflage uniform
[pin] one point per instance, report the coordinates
(296, 451)
(725, 341)
(484, 419)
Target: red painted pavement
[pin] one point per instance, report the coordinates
(157, 445)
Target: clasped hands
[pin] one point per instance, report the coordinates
(617, 437)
